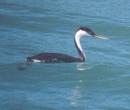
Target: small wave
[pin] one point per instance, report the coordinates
(85, 66)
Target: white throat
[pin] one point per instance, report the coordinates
(78, 35)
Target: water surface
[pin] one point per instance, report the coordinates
(29, 27)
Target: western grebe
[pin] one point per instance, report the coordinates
(63, 58)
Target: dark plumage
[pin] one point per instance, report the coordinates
(62, 58)
(53, 58)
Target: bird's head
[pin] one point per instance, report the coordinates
(84, 31)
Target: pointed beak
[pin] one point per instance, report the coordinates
(101, 37)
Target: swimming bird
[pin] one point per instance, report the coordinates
(63, 58)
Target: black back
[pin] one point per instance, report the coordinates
(53, 58)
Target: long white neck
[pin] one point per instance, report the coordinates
(78, 35)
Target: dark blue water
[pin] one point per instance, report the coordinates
(28, 27)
